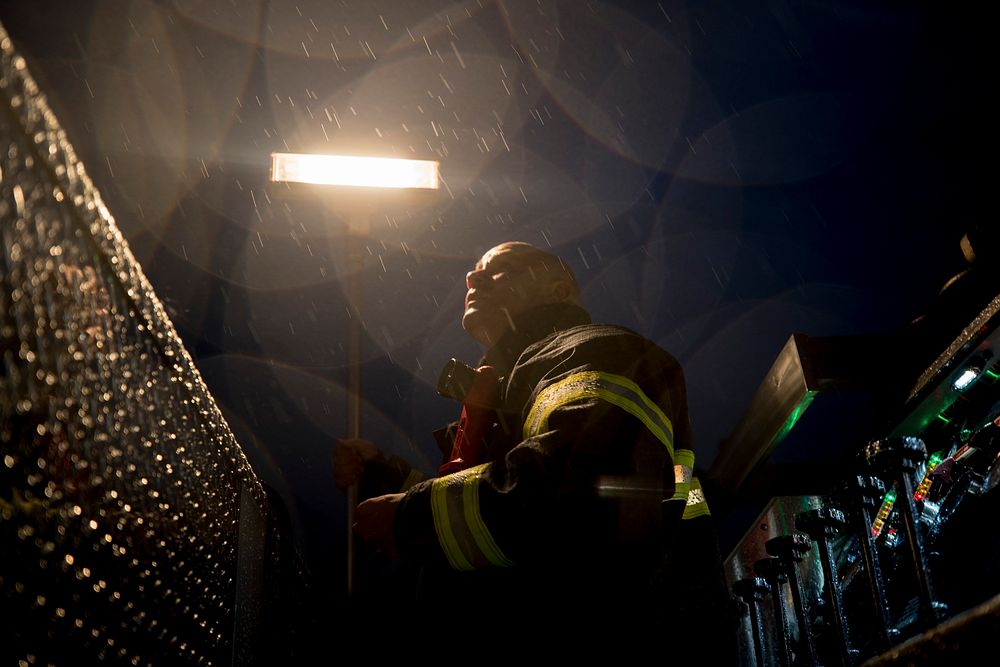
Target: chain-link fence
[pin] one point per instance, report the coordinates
(132, 528)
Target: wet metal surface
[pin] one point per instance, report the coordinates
(120, 482)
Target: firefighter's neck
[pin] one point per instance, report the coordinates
(530, 326)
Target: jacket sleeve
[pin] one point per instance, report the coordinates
(384, 474)
(604, 450)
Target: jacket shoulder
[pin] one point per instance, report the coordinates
(600, 336)
(599, 343)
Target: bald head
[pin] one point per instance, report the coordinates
(509, 279)
(553, 277)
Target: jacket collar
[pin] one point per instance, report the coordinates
(529, 327)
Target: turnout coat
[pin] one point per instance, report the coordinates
(578, 517)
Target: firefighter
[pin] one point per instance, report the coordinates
(566, 513)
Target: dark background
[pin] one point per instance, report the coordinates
(720, 175)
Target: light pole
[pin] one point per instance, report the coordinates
(357, 187)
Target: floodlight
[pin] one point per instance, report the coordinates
(354, 171)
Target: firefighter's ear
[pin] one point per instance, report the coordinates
(560, 291)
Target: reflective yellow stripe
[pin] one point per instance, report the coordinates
(474, 521)
(442, 525)
(683, 473)
(614, 389)
(462, 534)
(696, 504)
(694, 501)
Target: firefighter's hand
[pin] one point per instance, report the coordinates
(374, 521)
(349, 458)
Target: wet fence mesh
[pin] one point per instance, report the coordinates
(132, 529)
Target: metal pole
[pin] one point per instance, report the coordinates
(359, 197)
(357, 232)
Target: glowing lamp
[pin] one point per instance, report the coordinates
(965, 378)
(355, 171)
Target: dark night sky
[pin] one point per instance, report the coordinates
(719, 174)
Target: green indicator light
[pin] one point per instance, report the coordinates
(883, 512)
(925, 483)
(944, 419)
(990, 374)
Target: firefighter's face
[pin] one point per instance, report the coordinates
(504, 283)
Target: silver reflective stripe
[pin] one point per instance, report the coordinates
(696, 505)
(614, 389)
(695, 496)
(462, 534)
(683, 473)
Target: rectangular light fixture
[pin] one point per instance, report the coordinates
(354, 171)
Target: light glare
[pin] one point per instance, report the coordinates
(348, 170)
(966, 378)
